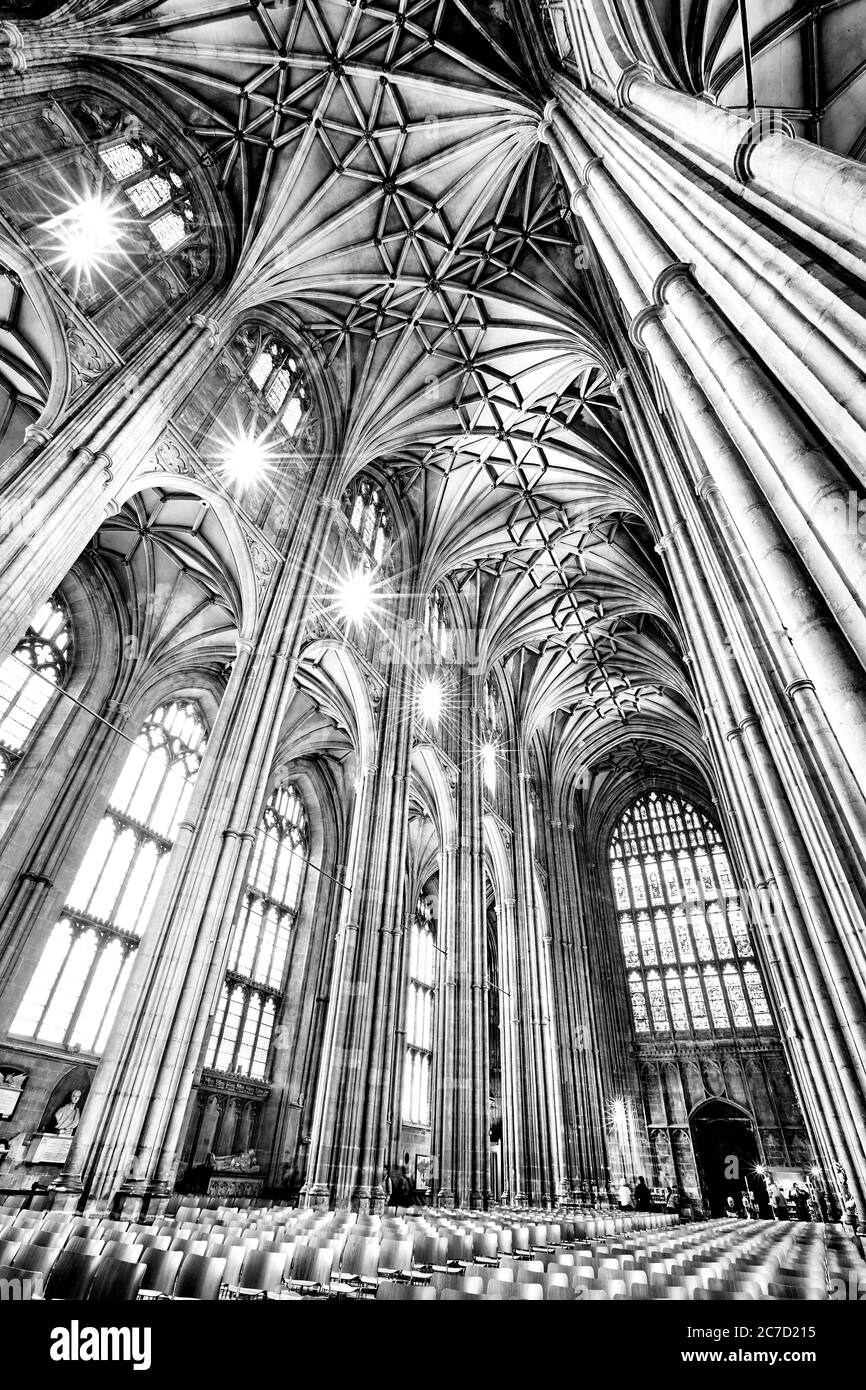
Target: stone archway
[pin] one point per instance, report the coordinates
(725, 1142)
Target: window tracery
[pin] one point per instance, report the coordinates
(252, 992)
(37, 667)
(677, 909)
(419, 1014)
(74, 992)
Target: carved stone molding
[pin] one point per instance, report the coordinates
(12, 53)
(89, 359)
(170, 455)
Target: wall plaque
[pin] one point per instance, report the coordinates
(49, 1148)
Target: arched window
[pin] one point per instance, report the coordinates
(75, 989)
(436, 622)
(419, 1015)
(253, 415)
(37, 667)
(688, 957)
(107, 207)
(491, 743)
(492, 710)
(369, 522)
(253, 990)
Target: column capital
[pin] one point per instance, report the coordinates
(706, 485)
(12, 53)
(668, 537)
(38, 434)
(635, 72)
(236, 834)
(759, 129)
(677, 270)
(115, 708)
(649, 314)
(546, 120)
(209, 325)
(796, 687)
(620, 381)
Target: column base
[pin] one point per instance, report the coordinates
(69, 1197)
(138, 1201)
(317, 1195)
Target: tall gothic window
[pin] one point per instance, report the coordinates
(369, 522)
(491, 739)
(419, 1015)
(29, 676)
(108, 208)
(492, 712)
(690, 964)
(75, 989)
(253, 414)
(252, 992)
(436, 622)
(275, 371)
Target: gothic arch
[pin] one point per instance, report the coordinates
(240, 543)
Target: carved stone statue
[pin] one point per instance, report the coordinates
(245, 1162)
(68, 1117)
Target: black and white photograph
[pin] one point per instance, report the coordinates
(432, 676)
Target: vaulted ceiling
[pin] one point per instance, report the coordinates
(808, 60)
(808, 57)
(382, 168)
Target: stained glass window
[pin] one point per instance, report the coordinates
(74, 991)
(677, 907)
(436, 621)
(243, 1025)
(29, 676)
(718, 1012)
(695, 996)
(151, 184)
(419, 1015)
(369, 521)
(757, 997)
(677, 1002)
(638, 1004)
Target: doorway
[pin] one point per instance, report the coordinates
(726, 1152)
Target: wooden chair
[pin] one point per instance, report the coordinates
(116, 1281)
(200, 1278)
(71, 1276)
(162, 1267)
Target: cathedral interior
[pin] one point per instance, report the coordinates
(432, 605)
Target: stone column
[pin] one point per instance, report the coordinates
(349, 1130)
(541, 1109)
(137, 1105)
(819, 1042)
(461, 1135)
(575, 1012)
(55, 493)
